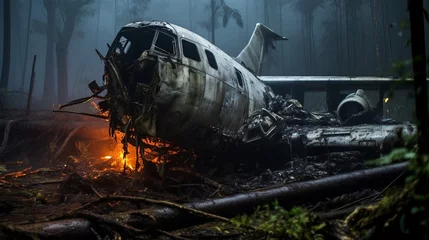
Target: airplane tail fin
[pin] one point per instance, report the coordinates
(254, 54)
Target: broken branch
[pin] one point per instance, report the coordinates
(153, 201)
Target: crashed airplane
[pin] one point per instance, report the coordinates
(167, 83)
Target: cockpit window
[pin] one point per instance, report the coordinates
(133, 43)
(165, 44)
(123, 46)
(190, 50)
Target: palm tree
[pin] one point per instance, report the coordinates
(219, 9)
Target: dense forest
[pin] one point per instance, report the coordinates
(326, 37)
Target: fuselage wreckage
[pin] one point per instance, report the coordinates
(166, 82)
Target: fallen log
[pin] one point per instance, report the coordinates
(63, 229)
(307, 191)
(96, 129)
(288, 195)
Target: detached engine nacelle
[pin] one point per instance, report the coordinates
(354, 103)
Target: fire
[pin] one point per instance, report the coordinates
(386, 100)
(111, 156)
(117, 158)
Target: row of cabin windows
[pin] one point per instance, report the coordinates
(190, 51)
(165, 43)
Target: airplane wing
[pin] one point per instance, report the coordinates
(315, 83)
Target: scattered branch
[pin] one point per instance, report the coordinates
(153, 201)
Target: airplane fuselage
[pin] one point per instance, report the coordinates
(184, 87)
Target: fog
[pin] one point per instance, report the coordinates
(326, 37)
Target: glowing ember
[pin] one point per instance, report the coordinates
(107, 157)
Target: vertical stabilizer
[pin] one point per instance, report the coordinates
(254, 54)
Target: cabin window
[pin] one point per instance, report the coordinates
(239, 77)
(190, 50)
(165, 44)
(212, 60)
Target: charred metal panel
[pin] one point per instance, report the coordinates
(364, 136)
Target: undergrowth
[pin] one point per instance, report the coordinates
(401, 214)
(277, 222)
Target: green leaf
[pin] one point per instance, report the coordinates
(399, 154)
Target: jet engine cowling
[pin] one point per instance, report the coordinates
(354, 103)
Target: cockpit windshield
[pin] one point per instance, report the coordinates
(165, 44)
(133, 43)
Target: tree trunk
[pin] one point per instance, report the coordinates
(353, 37)
(377, 41)
(383, 28)
(347, 38)
(304, 43)
(26, 45)
(6, 45)
(48, 86)
(115, 16)
(213, 18)
(281, 33)
(365, 60)
(415, 9)
(98, 23)
(265, 12)
(62, 74)
(313, 44)
(341, 36)
(247, 18)
(337, 29)
(389, 39)
(190, 14)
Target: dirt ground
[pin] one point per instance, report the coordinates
(31, 195)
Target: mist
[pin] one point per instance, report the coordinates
(326, 37)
